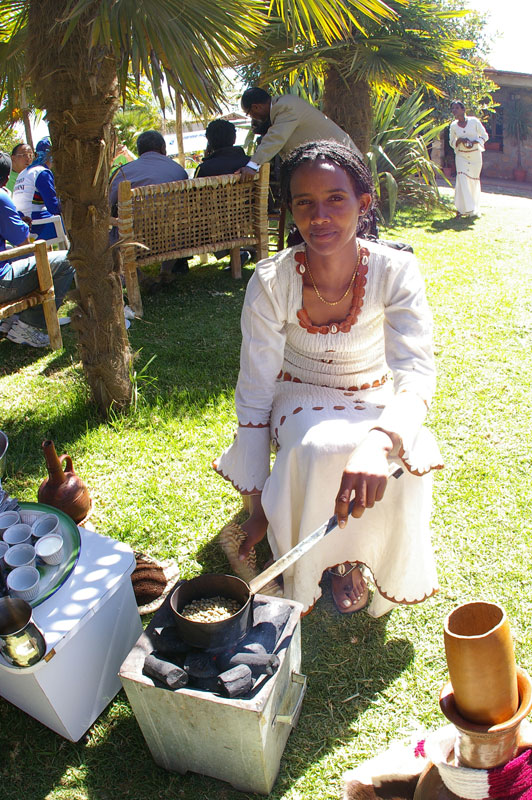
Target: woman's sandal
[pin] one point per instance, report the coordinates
(230, 539)
(343, 571)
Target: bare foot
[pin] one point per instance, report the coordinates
(349, 591)
(255, 527)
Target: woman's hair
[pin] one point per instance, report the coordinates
(335, 153)
(457, 103)
(220, 133)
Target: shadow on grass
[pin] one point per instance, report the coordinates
(14, 357)
(454, 224)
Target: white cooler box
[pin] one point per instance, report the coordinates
(90, 624)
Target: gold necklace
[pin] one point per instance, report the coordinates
(353, 276)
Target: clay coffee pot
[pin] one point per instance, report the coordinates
(63, 489)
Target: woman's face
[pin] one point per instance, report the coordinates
(457, 111)
(325, 206)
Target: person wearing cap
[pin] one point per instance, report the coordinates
(21, 157)
(19, 277)
(34, 194)
(292, 122)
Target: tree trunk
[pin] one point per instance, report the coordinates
(26, 118)
(348, 103)
(79, 91)
(179, 129)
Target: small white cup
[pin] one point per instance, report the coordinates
(20, 555)
(50, 548)
(20, 533)
(4, 547)
(23, 582)
(45, 525)
(8, 518)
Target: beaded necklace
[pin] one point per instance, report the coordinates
(353, 276)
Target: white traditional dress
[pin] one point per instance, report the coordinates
(468, 164)
(314, 392)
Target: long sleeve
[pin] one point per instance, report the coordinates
(481, 132)
(408, 347)
(246, 463)
(45, 186)
(453, 135)
(285, 120)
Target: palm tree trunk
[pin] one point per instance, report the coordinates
(26, 117)
(79, 91)
(348, 103)
(179, 130)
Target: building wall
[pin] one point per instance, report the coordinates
(500, 163)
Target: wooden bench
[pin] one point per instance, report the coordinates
(44, 294)
(187, 218)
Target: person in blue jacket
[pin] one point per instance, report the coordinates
(34, 194)
(19, 277)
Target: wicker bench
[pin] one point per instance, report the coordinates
(187, 218)
(44, 294)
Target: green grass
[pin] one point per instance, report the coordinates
(370, 681)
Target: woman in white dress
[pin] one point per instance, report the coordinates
(467, 137)
(325, 326)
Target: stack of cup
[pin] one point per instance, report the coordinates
(18, 555)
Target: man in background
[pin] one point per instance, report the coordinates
(21, 157)
(292, 121)
(34, 194)
(19, 277)
(152, 167)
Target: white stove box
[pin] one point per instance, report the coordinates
(89, 624)
(235, 740)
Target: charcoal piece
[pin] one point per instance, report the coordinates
(265, 634)
(168, 642)
(259, 663)
(201, 665)
(205, 684)
(172, 676)
(254, 647)
(277, 612)
(235, 682)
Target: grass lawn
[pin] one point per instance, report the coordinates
(370, 681)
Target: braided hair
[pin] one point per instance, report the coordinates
(341, 156)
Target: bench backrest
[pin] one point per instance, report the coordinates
(201, 215)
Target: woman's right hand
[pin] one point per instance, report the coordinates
(365, 476)
(255, 527)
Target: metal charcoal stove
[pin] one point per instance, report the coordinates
(202, 726)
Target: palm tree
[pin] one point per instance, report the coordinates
(78, 53)
(414, 46)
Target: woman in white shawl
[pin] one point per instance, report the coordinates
(467, 137)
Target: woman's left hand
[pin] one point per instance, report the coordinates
(365, 475)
